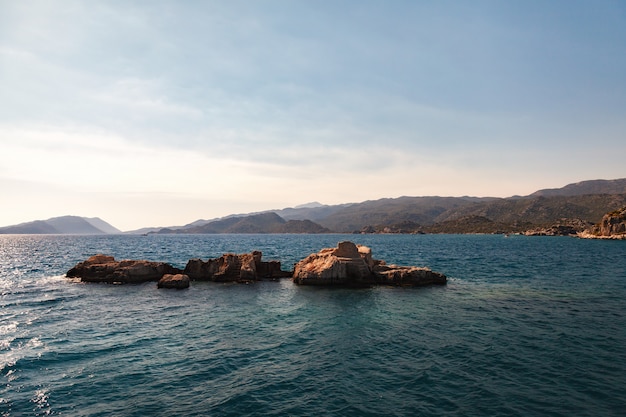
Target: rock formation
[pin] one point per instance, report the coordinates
(564, 227)
(612, 226)
(177, 281)
(232, 267)
(102, 268)
(353, 265)
(347, 265)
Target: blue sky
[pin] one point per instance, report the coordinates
(152, 113)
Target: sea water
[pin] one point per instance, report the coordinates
(527, 326)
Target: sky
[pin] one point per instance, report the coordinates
(159, 113)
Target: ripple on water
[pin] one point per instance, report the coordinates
(509, 335)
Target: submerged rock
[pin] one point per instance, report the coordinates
(177, 281)
(103, 268)
(353, 265)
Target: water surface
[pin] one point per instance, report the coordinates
(525, 326)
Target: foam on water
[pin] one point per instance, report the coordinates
(526, 326)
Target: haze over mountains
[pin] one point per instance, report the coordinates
(586, 202)
(73, 225)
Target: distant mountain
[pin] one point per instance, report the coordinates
(617, 186)
(100, 224)
(256, 223)
(63, 225)
(480, 215)
(34, 227)
(584, 201)
(310, 211)
(540, 210)
(503, 215)
(389, 211)
(312, 204)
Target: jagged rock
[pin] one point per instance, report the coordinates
(613, 223)
(612, 226)
(103, 268)
(176, 281)
(353, 265)
(232, 267)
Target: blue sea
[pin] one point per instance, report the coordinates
(527, 326)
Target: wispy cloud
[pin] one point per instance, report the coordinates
(278, 103)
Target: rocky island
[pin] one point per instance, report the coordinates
(347, 265)
(353, 265)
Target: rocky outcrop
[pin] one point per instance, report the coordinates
(102, 268)
(176, 281)
(232, 267)
(564, 227)
(612, 226)
(353, 265)
(347, 265)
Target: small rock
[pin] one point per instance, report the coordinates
(176, 281)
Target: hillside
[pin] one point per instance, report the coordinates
(617, 186)
(539, 210)
(388, 211)
(584, 202)
(256, 223)
(62, 225)
(480, 215)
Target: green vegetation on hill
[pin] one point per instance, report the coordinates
(391, 211)
(463, 215)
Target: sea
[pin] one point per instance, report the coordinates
(526, 326)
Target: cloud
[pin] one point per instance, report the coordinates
(268, 102)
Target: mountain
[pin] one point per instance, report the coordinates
(539, 210)
(310, 211)
(584, 201)
(503, 215)
(255, 223)
(100, 224)
(617, 186)
(312, 204)
(481, 215)
(63, 225)
(578, 203)
(389, 211)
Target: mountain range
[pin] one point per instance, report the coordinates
(582, 203)
(72, 225)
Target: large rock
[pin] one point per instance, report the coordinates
(102, 268)
(353, 265)
(232, 267)
(176, 281)
(612, 226)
